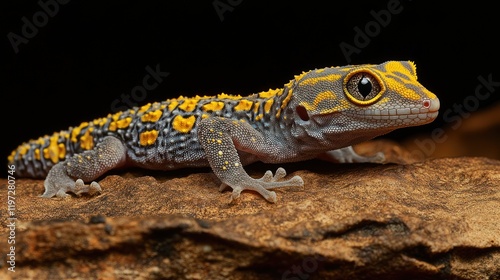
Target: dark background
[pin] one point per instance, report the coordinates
(89, 53)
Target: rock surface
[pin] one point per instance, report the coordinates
(406, 219)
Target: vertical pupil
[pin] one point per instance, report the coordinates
(364, 86)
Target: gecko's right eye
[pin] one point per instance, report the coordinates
(363, 88)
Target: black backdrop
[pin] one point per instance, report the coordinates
(71, 61)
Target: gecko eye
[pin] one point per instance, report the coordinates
(363, 87)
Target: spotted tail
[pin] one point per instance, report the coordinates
(36, 157)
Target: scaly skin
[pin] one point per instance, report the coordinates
(319, 113)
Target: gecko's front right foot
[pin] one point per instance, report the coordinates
(264, 184)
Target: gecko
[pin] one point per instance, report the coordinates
(318, 114)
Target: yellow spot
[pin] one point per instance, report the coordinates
(287, 99)
(76, 131)
(147, 138)
(37, 154)
(224, 168)
(227, 96)
(86, 140)
(320, 70)
(172, 105)
(213, 106)
(116, 124)
(53, 150)
(116, 116)
(396, 86)
(183, 125)
(259, 117)
(226, 162)
(112, 126)
(320, 97)
(152, 116)
(124, 123)
(256, 107)
(396, 66)
(236, 164)
(189, 104)
(269, 93)
(24, 149)
(244, 105)
(204, 116)
(11, 157)
(62, 151)
(100, 121)
(219, 141)
(220, 153)
(284, 103)
(144, 108)
(267, 105)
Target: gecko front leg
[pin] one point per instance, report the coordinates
(221, 140)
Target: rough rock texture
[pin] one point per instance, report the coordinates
(414, 220)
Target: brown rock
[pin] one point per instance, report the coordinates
(434, 219)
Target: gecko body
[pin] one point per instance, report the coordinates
(319, 113)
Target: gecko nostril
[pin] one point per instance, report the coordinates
(426, 103)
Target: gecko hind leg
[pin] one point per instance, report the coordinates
(58, 183)
(70, 175)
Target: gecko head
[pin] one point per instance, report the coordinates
(361, 101)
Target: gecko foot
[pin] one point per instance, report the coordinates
(264, 184)
(58, 183)
(78, 187)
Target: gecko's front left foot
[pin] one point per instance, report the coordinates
(264, 184)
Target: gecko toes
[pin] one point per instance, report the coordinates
(80, 187)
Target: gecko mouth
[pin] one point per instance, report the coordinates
(426, 112)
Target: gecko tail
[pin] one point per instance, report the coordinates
(34, 159)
